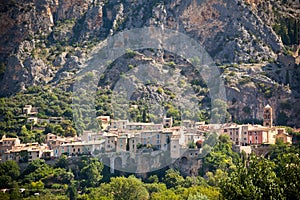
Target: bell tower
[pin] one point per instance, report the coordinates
(268, 117)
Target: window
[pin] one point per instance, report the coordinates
(157, 136)
(174, 146)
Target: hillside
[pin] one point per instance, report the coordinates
(254, 44)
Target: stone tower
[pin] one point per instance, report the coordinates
(268, 117)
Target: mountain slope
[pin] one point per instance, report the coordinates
(45, 42)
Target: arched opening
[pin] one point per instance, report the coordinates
(105, 161)
(118, 163)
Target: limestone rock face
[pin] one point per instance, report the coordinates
(93, 21)
(46, 41)
(21, 19)
(38, 72)
(14, 76)
(69, 9)
(229, 30)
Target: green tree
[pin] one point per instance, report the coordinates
(72, 191)
(211, 193)
(155, 187)
(219, 113)
(173, 179)
(49, 128)
(194, 181)
(221, 157)
(24, 132)
(214, 179)
(36, 171)
(198, 196)
(5, 181)
(37, 186)
(153, 179)
(256, 180)
(60, 176)
(4, 196)
(121, 188)
(10, 168)
(62, 162)
(288, 171)
(14, 192)
(166, 194)
(174, 113)
(68, 113)
(91, 172)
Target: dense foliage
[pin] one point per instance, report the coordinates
(56, 102)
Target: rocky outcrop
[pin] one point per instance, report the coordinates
(14, 76)
(21, 20)
(229, 31)
(38, 71)
(25, 29)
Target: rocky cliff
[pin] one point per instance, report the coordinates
(45, 42)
